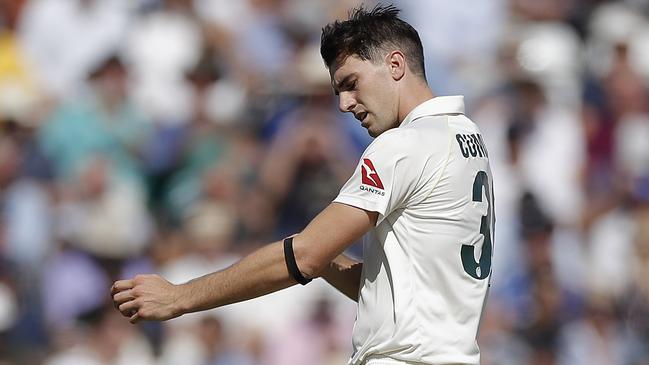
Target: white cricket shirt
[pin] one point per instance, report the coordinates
(427, 263)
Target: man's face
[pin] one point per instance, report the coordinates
(368, 91)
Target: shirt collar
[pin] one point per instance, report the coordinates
(436, 106)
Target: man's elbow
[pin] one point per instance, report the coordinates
(311, 264)
(311, 267)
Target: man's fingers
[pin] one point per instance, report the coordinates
(128, 308)
(121, 285)
(123, 296)
(134, 318)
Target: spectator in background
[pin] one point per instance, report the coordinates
(535, 124)
(629, 100)
(25, 204)
(100, 340)
(25, 220)
(317, 339)
(205, 343)
(169, 156)
(64, 304)
(537, 149)
(477, 26)
(101, 222)
(615, 121)
(597, 338)
(310, 155)
(615, 172)
(615, 108)
(501, 344)
(212, 219)
(65, 39)
(213, 133)
(263, 45)
(8, 296)
(307, 161)
(536, 302)
(162, 45)
(25, 213)
(25, 198)
(19, 85)
(104, 122)
(637, 300)
(103, 214)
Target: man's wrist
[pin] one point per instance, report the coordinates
(182, 299)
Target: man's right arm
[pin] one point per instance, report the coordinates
(344, 274)
(150, 297)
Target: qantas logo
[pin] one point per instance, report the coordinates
(370, 176)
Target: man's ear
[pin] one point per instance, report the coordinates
(396, 61)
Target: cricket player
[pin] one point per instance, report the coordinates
(421, 197)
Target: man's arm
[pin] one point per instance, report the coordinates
(344, 274)
(150, 297)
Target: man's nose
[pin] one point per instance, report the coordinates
(346, 103)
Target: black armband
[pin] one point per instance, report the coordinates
(291, 264)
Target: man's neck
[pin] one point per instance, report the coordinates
(415, 95)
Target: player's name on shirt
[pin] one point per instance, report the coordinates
(471, 145)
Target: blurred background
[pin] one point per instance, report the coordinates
(175, 136)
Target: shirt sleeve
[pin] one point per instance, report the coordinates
(387, 175)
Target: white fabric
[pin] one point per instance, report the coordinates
(417, 303)
(161, 48)
(553, 174)
(382, 360)
(66, 39)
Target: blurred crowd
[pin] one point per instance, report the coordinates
(175, 136)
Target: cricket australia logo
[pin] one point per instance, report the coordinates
(371, 178)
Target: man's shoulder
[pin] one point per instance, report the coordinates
(428, 131)
(399, 138)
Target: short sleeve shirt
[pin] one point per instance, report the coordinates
(427, 263)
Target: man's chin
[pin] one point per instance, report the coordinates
(375, 132)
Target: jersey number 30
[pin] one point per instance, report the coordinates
(480, 270)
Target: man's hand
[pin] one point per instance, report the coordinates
(344, 274)
(147, 297)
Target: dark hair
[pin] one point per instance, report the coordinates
(366, 33)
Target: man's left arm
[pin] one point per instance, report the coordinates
(150, 297)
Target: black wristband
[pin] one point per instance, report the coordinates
(291, 264)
